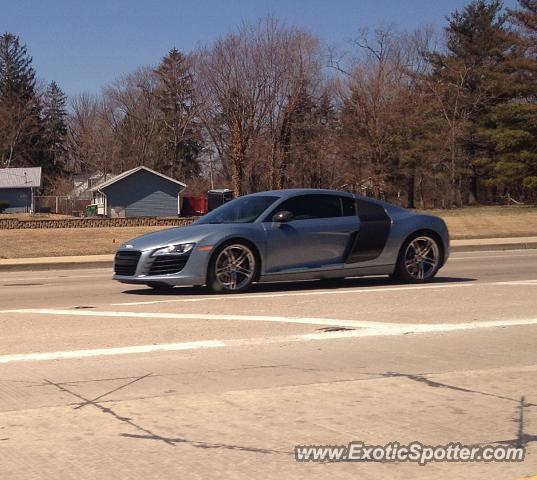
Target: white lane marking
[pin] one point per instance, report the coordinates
(200, 316)
(295, 294)
(452, 327)
(374, 331)
(518, 282)
(22, 357)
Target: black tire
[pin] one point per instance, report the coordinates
(414, 263)
(220, 280)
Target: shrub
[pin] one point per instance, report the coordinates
(3, 205)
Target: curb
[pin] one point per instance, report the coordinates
(93, 263)
(494, 247)
(56, 266)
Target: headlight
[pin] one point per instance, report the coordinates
(180, 249)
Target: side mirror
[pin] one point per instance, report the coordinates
(282, 217)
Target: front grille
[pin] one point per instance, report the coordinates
(168, 264)
(125, 262)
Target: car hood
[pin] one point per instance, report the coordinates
(172, 236)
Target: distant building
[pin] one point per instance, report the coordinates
(17, 188)
(83, 183)
(218, 197)
(140, 192)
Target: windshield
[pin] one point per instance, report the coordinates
(241, 210)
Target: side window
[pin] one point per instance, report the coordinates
(305, 207)
(349, 206)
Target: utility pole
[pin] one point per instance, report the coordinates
(211, 168)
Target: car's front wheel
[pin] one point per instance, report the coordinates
(233, 268)
(419, 259)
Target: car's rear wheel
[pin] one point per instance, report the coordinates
(233, 268)
(419, 259)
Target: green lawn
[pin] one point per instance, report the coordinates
(490, 222)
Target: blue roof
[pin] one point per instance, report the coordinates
(123, 175)
(20, 177)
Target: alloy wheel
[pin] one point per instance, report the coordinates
(235, 266)
(422, 257)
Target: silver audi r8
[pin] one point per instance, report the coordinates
(279, 235)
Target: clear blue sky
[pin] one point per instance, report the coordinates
(85, 44)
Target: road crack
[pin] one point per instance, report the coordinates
(146, 433)
(436, 384)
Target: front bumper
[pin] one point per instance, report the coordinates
(194, 271)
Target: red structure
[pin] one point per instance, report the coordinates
(194, 206)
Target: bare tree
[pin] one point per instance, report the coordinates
(19, 127)
(250, 83)
(231, 86)
(292, 59)
(130, 107)
(92, 141)
(370, 90)
(178, 106)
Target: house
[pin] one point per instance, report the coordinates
(140, 192)
(18, 187)
(84, 182)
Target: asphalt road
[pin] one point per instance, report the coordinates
(100, 380)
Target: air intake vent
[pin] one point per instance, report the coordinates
(125, 262)
(168, 264)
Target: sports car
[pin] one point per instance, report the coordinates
(298, 234)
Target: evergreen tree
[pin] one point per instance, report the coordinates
(475, 76)
(524, 64)
(525, 17)
(298, 142)
(326, 122)
(508, 131)
(17, 76)
(479, 40)
(511, 128)
(54, 119)
(19, 106)
(512, 131)
(179, 129)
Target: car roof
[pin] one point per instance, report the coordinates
(291, 192)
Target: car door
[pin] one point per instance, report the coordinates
(368, 243)
(317, 237)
